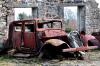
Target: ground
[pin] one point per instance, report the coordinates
(92, 58)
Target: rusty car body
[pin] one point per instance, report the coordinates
(45, 37)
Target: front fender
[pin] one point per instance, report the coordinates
(55, 42)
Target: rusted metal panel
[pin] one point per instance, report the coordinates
(54, 33)
(29, 40)
(16, 39)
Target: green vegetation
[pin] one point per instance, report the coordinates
(68, 30)
(23, 16)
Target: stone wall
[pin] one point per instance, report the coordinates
(52, 9)
(92, 17)
(89, 15)
(48, 9)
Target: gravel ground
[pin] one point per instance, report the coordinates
(92, 58)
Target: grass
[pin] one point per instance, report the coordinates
(6, 60)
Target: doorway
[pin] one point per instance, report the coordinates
(23, 13)
(74, 17)
(70, 17)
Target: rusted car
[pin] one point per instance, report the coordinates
(43, 38)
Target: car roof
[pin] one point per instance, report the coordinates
(37, 21)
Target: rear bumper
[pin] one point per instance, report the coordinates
(79, 49)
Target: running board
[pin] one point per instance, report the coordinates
(21, 55)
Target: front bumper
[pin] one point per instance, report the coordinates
(79, 49)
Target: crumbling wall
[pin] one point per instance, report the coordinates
(92, 17)
(7, 13)
(88, 18)
(3, 27)
(52, 9)
(48, 9)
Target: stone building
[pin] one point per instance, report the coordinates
(92, 16)
(88, 11)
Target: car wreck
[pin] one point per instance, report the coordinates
(44, 38)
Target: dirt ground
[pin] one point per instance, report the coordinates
(92, 58)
